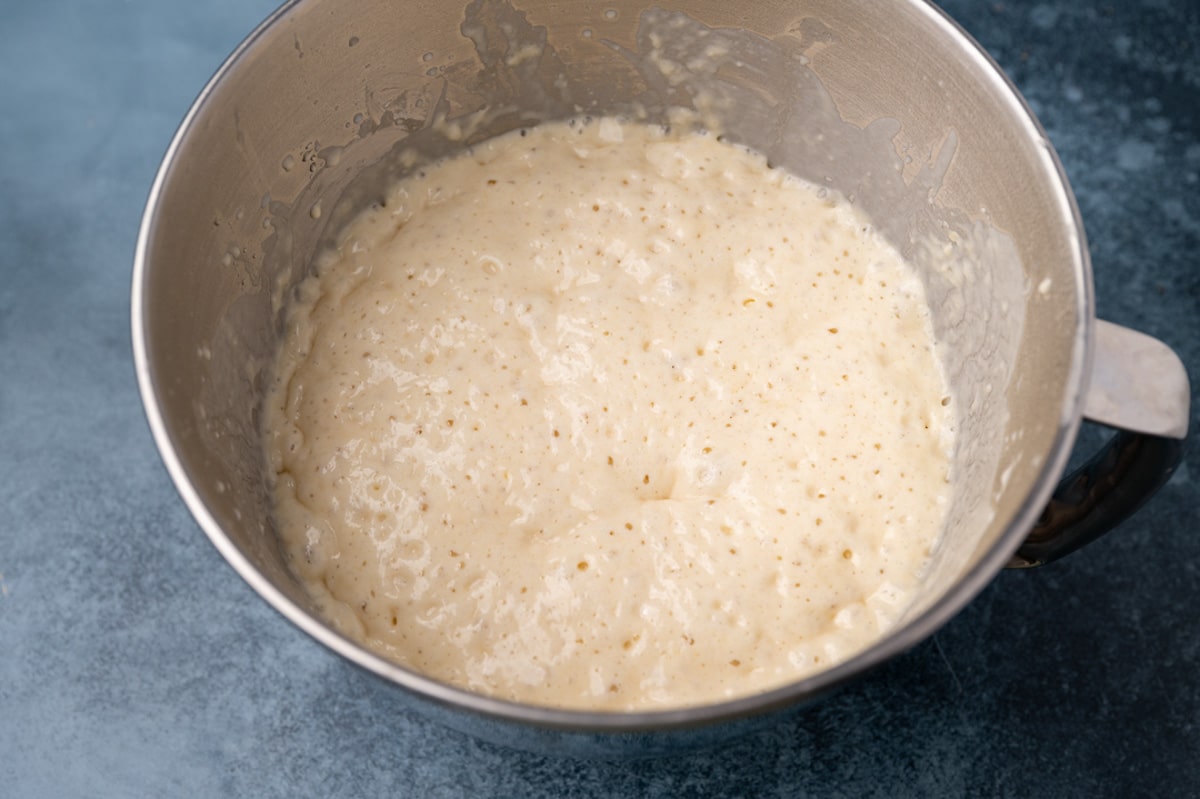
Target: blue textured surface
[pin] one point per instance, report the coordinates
(134, 662)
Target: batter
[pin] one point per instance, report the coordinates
(600, 416)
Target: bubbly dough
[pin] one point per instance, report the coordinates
(603, 416)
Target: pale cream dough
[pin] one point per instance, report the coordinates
(601, 416)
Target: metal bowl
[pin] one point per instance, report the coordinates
(888, 102)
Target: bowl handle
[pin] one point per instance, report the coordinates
(1140, 387)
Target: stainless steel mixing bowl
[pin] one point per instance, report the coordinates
(888, 102)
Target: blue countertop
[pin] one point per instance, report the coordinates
(135, 662)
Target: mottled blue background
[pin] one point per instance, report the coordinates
(134, 662)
